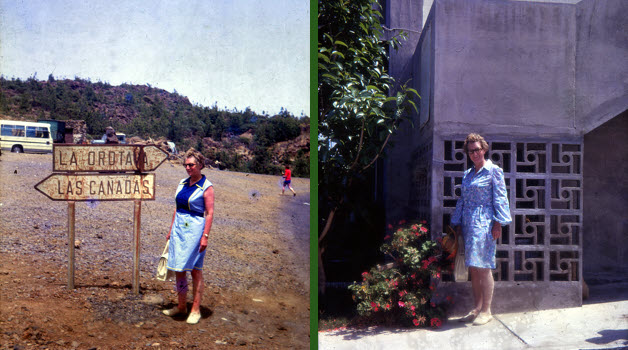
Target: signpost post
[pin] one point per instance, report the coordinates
(103, 173)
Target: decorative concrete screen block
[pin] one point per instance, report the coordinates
(421, 200)
(544, 184)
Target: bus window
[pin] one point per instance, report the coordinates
(6, 130)
(43, 132)
(37, 131)
(12, 130)
(31, 131)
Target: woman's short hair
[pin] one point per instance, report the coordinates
(200, 158)
(474, 138)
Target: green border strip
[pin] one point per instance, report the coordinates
(313, 175)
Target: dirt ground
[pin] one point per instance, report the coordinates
(256, 270)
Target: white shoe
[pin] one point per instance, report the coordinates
(193, 318)
(174, 312)
(483, 318)
(469, 317)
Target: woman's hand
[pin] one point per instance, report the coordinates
(496, 231)
(203, 244)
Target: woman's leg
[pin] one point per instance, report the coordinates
(182, 290)
(197, 286)
(477, 287)
(487, 290)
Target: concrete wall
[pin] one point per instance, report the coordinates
(406, 15)
(601, 56)
(504, 64)
(605, 247)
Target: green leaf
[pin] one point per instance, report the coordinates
(338, 53)
(323, 57)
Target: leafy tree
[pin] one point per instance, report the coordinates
(302, 164)
(4, 102)
(360, 106)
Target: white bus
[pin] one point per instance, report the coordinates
(17, 136)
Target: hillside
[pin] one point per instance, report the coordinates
(234, 140)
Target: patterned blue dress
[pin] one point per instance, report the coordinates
(483, 200)
(187, 229)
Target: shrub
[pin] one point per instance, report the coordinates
(401, 294)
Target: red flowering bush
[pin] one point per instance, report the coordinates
(401, 294)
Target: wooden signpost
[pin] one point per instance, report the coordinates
(103, 173)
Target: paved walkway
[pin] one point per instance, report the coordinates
(600, 325)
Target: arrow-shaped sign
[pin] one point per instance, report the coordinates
(68, 187)
(109, 158)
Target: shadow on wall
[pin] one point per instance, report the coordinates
(607, 292)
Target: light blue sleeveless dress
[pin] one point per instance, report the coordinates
(187, 229)
(483, 200)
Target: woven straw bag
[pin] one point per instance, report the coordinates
(163, 274)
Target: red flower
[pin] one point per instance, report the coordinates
(412, 307)
(402, 222)
(415, 227)
(426, 263)
(416, 322)
(390, 226)
(401, 304)
(435, 322)
(431, 287)
(423, 229)
(387, 306)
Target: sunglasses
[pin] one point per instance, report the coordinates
(189, 165)
(474, 151)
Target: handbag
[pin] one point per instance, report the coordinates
(450, 243)
(163, 274)
(461, 273)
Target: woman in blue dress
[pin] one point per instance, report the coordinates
(188, 234)
(480, 212)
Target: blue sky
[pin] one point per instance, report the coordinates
(240, 53)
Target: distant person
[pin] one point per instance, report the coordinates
(287, 175)
(189, 232)
(110, 136)
(480, 212)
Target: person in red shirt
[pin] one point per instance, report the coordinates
(286, 182)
